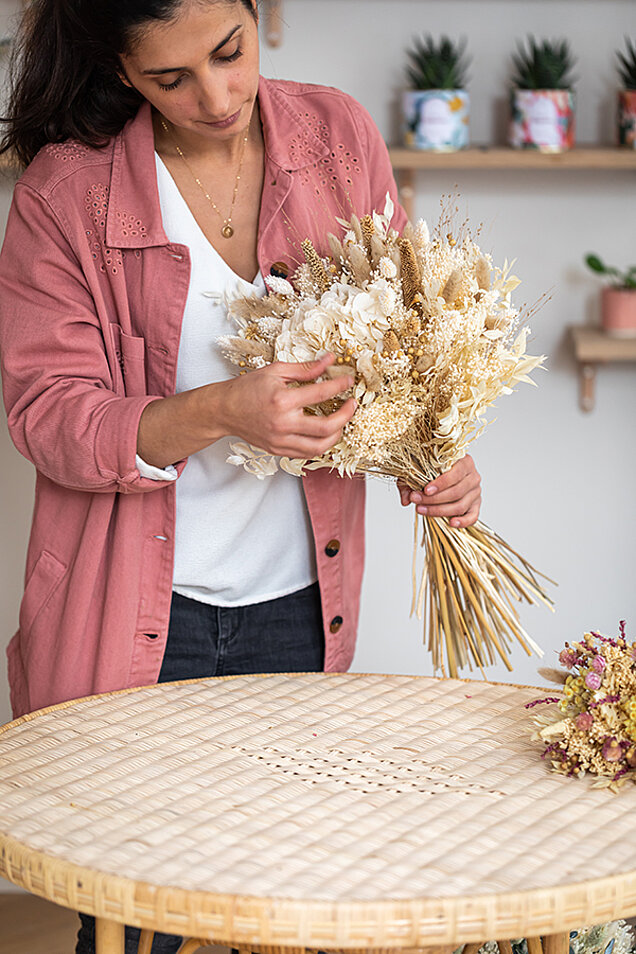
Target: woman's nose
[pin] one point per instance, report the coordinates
(214, 97)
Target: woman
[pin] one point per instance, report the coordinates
(161, 170)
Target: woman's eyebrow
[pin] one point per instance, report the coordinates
(177, 69)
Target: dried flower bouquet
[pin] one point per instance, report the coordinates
(591, 725)
(425, 326)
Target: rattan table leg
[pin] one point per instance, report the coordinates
(189, 947)
(145, 942)
(505, 947)
(534, 945)
(556, 943)
(109, 937)
(474, 946)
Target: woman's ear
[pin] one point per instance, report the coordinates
(122, 76)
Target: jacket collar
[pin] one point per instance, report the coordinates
(290, 141)
(134, 213)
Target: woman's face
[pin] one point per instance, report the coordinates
(200, 70)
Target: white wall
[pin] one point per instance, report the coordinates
(558, 484)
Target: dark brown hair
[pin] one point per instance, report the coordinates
(65, 81)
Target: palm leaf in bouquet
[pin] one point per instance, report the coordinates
(425, 326)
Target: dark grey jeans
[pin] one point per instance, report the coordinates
(282, 635)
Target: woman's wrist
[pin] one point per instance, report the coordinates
(177, 426)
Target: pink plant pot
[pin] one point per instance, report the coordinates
(618, 312)
(627, 118)
(542, 119)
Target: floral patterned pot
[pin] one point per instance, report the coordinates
(627, 118)
(542, 119)
(618, 312)
(436, 119)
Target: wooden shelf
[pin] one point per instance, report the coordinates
(500, 157)
(592, 347)
(8, 166)
(407, 162)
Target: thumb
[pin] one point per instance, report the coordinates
(306, 370)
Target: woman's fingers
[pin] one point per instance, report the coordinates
(303, 370)
(405, 493)
(456, 508)
(314, 435)
(312, 394)
(455, 495)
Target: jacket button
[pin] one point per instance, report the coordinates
(332, 548)
(279, 270)
(336, 624)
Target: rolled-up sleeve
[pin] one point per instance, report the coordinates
(64, 412)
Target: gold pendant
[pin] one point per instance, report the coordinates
(227, 231)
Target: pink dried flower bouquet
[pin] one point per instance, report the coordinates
(591, 726)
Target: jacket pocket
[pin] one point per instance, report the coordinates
(42, 583)
(130, 352)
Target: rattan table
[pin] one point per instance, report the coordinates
(321, 811)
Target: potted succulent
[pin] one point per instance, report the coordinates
(436, 108)
(542, 101)
(618, 300)
(627, 96)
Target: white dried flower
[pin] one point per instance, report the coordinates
(279, 286)
(387, 268)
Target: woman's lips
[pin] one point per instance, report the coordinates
(225, 122)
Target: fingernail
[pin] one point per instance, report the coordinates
(416, 498)
(431, 489)
(423, 510)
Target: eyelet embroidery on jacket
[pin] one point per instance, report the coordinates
(340, 166)
(67, 151)
(96, 206)
(129, 224)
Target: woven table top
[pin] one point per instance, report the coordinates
(334, 810)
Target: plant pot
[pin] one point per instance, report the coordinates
(436, 119)
(542, 119)
(627, 118)
(618, 312)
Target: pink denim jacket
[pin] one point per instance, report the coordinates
(91, 300)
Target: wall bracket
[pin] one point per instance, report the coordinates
(274, 22)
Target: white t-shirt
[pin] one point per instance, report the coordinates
(239, 540)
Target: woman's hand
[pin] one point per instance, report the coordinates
(264, 408)
(455, 494)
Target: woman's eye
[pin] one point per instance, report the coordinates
(174, 85)
(232, 56)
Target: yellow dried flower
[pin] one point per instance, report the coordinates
(368, 229)
(337, 250)
(412, 326)
(391, 341)
(411, 275)
(482, 273)
(452, 286)
(318, 271)
(359, 264)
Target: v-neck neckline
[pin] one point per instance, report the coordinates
(175, 188)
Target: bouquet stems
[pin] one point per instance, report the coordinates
(469, 583)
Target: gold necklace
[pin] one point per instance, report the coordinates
(227, 231)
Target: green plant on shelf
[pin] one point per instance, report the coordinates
(627, 65)
(437, 64)
(626, 279)
(545, 64)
